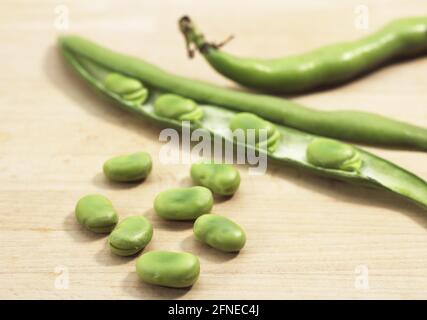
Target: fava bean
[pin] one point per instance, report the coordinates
(176, 107)
(183, 203)
(219, 232)
(170, 269)
(332, 154)
(128, 168)
(220, 178)
(130, 236)
(121, 84)
(96, 213)
(247, 121)
(131, 90)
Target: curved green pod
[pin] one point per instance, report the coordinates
(346, 125)
(93, 62)
(329, 65)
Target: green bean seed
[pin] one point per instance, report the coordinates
(96, 213)
(136, 98)
(121, 84)
(220, 178)
(170, 269)
(250, 122)
(332, 154)
(130, 236)
(141, 93)
(183, 203)
(176, 107)
(131, 90)
(219, 232)
(128, 168)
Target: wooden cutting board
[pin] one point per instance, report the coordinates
(308, 237)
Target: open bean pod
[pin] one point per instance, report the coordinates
(290, 146)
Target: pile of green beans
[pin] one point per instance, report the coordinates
(330, 65)
(134, 233)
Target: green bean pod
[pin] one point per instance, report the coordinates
(345, 125)
(329, 65)
(293, 147)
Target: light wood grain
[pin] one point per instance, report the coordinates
(306, 235)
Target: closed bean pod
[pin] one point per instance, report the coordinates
(222, 179)
(130, 236)
(96, 213)
(128, 168)
(219, 232)
(169, 269)
(329, 65)
(183, 203)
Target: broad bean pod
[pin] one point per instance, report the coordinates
(345, 125)
(294, 147)
(329, 65)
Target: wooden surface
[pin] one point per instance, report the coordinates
(308, 237)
